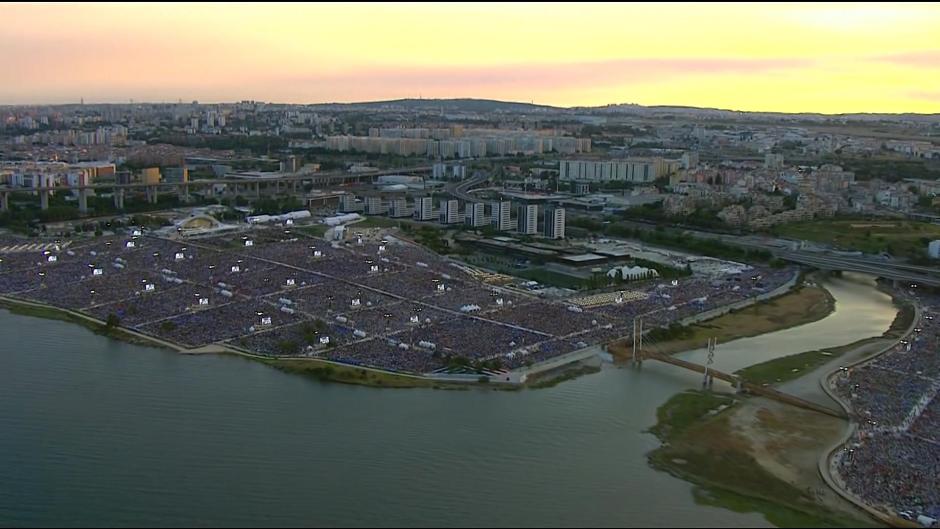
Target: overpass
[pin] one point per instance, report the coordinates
(828, 260)
(461, 190)
(886, 269)
(240, 184)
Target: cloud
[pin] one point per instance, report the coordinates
(923, 59)
(925, 95)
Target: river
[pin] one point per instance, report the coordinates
(99, 432)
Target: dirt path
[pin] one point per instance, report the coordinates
(788, 453)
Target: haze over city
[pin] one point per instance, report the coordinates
(828, 58)
(470, 265)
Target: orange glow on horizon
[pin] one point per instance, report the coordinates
(827, 58)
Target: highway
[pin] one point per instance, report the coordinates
(460, 190)
(325, 177)
(825, 259)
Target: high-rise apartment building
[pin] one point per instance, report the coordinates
(554, 227)
(528, 219)
(500, 213)
(450, 211)
(424, 208)
(476, 214)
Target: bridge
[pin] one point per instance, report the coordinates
(251, 185)
(462, 189)
(748, 387)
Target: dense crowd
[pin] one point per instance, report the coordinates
(895, 461)
(374, 296)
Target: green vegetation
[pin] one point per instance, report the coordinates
(898, 238)
(270, 206)
(683, 410)
(701, 217)
(780, 370)
(376, 222)
(52, 313)
(349, 374)
(316, 230)
(784, 369)
(797, 307)
(675, 331)
(674, 239)
(888, 169)
(554, 279)
(700, 446)
(432, 239)
(550, 380)
(254, 144)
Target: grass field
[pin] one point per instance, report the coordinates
(898, 238)
(375, 222)
(317, 230)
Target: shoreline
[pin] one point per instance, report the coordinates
(762, 428)
(337, 372)
(826, 471)
(776, 313)
(362, 375)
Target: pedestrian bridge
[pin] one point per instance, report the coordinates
(748, 387)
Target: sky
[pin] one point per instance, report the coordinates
(828, 58)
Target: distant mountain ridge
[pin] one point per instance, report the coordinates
(453, 105)
(492, 105)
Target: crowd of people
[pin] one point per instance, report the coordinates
(218, 289)
(894, 462)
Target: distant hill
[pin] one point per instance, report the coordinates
(491, 105)
(448, 105)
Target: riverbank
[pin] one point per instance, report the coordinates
(39, 310)
(746, 455)
(756, 454)
(806, 303)
(784, 369)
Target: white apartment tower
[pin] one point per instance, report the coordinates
(500, 213)
(554, 223)
(528, 219)
(476, 214)
(424, 208)
(450, 211)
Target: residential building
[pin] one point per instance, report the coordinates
(374, 206)
(500, 215)
(554, 227)
(450, 211)
(528, 218)
(476, 214)
(424, 208)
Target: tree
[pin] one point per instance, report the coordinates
(113, 321)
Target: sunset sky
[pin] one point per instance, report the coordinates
(780, 57)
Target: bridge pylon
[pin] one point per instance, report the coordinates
(637, 341)
(708, 380)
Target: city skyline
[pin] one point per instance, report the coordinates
(775, 58)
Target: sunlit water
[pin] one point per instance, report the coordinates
(95, 431)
